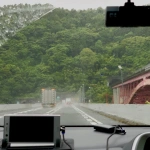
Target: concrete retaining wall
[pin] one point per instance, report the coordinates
(6, 107)
(134, 114)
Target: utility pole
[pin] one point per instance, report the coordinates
(120, 67)
(90, 95)
(83, 93)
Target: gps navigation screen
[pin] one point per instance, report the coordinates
(31, 129)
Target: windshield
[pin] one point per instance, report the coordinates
(57, 57)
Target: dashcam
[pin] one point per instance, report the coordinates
(128, 15)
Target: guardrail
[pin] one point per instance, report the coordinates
(133, 114)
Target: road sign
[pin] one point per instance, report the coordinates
(58, 98)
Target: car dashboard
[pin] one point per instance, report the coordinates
(86, 138)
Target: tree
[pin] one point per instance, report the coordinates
(68, 48)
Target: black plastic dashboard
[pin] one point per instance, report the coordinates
(86, 138)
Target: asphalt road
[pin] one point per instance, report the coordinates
(70, 115)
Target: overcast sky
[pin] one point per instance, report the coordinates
(76, 4)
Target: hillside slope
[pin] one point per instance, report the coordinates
(66, 49)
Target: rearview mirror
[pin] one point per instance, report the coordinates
(128, 15)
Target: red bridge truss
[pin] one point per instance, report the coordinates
(133, 91)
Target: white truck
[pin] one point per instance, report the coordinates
(63, 101)
(68, 100)
(48, 97)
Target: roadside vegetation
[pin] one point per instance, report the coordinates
(66, 49)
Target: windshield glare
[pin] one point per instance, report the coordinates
(60, 58)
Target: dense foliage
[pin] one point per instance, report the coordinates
(66, 49)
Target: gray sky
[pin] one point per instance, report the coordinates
(76, 4)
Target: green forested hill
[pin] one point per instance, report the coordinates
(65, 49)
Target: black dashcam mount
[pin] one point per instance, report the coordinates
(129, 4)
(128, 15)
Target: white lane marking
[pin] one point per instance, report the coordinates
(53, 110)
(28, 110)
(50, 111)
(85, 117)
(56, 110)
(90, 119)
(22, 112)
(93, 123)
